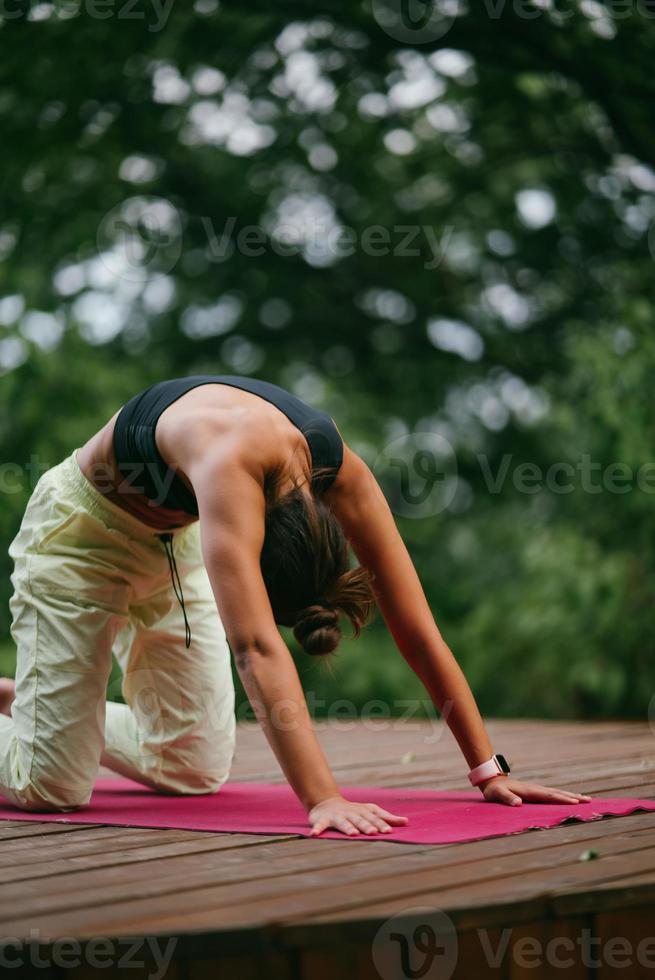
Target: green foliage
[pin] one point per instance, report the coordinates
(544, 596)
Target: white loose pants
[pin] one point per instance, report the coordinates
(90, 579)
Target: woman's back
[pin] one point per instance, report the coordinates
(141, 457)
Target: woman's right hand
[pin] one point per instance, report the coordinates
(351, 818)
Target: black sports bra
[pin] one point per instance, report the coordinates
(142, 466)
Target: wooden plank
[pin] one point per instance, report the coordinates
(212, 845)
(627, 892)
(498, 900)
(96, 856)
(286, 893)
(83, 880)
(547, 950)
(40, 830)
(627, 944)
(564, 740)
(34, 847)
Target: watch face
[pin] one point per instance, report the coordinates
(502, 762)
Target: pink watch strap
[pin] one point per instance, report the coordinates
(486, 771)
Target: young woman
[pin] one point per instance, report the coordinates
(207, 510)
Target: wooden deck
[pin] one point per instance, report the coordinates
(240, 906)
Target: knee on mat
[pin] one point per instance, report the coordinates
(191, 781)
(44, 798)
(184, 774)
(202, 783)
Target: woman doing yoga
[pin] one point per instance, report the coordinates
(205, 512)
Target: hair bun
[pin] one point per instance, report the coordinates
(317, 629)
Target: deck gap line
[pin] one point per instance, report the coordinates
(174, 887)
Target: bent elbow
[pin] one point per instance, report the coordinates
(247, 650)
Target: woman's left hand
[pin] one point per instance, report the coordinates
(511, 792)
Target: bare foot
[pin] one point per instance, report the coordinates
(7, 695)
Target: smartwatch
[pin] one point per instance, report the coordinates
(496, 766)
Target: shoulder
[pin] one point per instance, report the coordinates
(353, 476)
(248, 450)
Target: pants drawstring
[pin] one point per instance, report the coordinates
(167, 540)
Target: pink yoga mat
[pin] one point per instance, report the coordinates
(264, 808)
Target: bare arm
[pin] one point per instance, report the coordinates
(229, 491)
(364, 514)
(362, 510)
(231, 510)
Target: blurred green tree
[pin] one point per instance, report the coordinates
(440, 226)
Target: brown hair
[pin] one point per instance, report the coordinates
(305, 566)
